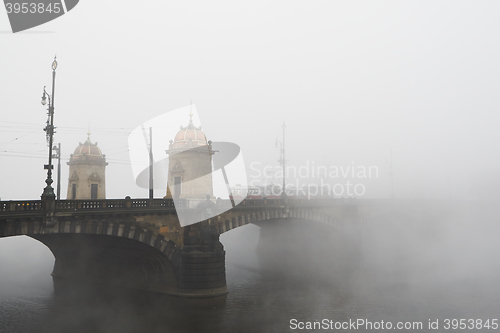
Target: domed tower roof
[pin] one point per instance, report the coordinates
(88, 151)
(189, 136)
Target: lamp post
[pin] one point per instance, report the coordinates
(48, 191)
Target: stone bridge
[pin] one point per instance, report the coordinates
(139, 243)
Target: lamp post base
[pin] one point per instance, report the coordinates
(48, 199)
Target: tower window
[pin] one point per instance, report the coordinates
(177, 187)
(93, 191)
(73, 191)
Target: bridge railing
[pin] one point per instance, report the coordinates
(262, 202)
(290, 201)
(20, 206)
(128, 203)
(65, 205)
(75, 205)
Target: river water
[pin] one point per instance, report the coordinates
(408, 275)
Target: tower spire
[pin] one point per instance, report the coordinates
(191, 124)
(190, 112)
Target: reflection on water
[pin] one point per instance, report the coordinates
(431, 284)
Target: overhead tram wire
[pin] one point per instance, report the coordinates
(18, 122)
(6, 153)
(21, 155)
(24, 154)
(72, 127)
(120, 131)
(99, 130)
(17, 138)
(18, 127)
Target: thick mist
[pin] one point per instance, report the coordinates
(407, 264)
(408, 87)
(26, 265)
(396, 266)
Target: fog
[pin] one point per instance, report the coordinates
(409, 88)
(26, 267)
(352, 80)
(393, 266)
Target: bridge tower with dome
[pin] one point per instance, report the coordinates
(190, 165)
(87, 166)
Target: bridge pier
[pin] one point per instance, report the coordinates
(200, 265)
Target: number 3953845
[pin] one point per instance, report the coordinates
(32, 7)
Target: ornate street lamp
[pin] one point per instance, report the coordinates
(48, 191)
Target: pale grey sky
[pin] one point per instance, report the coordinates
(350, 78)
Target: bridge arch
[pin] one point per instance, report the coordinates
(90, 226)
(300, 239)
(237, 218)
(99, 251)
